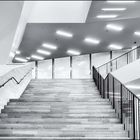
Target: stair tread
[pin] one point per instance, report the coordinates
(53, 109)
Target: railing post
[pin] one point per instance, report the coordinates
(116, 65)
(108, 87)
(113, 95)
(127, 59)
(134, 117)
(121, 107)
(103, 88)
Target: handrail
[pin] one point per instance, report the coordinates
(117, 57)
(13, 78)
(123, 100)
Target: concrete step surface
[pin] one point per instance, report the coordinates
(60, 109)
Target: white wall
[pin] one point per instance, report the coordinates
(12, 90)
(9, 15)
(129, 72)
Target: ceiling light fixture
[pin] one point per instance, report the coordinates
(28, 58)
(21, 59)
(107, 16)
(116, 47)
(43, 52)
(37, 57)
(114, 27)
(137, 33)
(73, 52)
(18, 52)
(63, 33)
(92, 40)
(119, 1)
(113, 9)
(49, 46)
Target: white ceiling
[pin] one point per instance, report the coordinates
(59, 11)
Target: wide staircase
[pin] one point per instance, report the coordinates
(60, 109)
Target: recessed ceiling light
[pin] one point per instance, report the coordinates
(21, 59)
(18, 52)
(37, 57)
(64, 33)
(28, 58)
(115, 46)
(113, 9)
(49, 46)
(73, 52)
(137, 33)
(106, 16)
(92, 40)
(43, 52)
(114, 27)
(119, 1)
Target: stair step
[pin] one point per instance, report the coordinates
(60, 109)
(61, 120)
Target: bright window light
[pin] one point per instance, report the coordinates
(106, 16)
(92, 40)
(37, 57)
(21, 59)
(114, 27)
(81, 63)
(113, 9)
(73, 52)
(18, 52)
(119, 1)
(64, 33)
(49, 46)
(43, 52)
(137, 33)
(116, 47)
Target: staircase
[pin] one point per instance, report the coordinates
(60, 109)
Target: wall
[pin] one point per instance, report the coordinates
(129, 72)
(12, 90)
(9, 15)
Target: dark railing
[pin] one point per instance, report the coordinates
(125, 103)
(13, 78)
(120, 61)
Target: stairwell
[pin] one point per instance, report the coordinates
(60, 109)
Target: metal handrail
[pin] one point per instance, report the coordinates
(123, 98)
(13, 78)
(117, 57)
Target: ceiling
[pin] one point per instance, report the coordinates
(59, 11)
(42, 28)
(132, 10)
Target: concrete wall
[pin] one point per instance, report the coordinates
(12, 90)
(9, 16)
(129, 72)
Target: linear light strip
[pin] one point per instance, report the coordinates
(64, 33)
(107, 16)
(113, 9)
(21, 59)
(43, 52)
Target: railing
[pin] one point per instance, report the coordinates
(13, 78)
(119, 62)
(125, 103)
